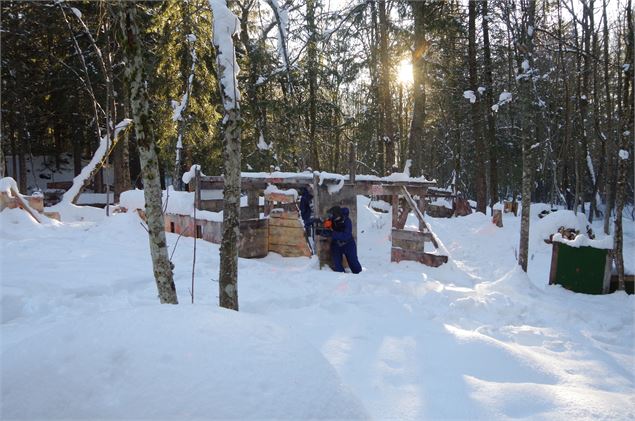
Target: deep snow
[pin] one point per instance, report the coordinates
(83, 335)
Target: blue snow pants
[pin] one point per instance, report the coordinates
(348, 249)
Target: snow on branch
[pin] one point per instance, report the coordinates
(282, 18)
(470, 95)
(179, 107)
(503, 99)
(226, 25)
(188, 176)
(105, 145)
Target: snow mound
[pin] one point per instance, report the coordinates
(171, 362)
(74, 213)
(9, 217)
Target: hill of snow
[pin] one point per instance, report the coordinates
(83, 335)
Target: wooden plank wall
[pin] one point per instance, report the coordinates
(253, 233)
(286, 235)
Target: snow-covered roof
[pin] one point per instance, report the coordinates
(326, 177)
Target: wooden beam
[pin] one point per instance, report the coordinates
(401, 222)
(24, 205)
(434, 260)
(411, 235)
(279, 197)
(367, 187)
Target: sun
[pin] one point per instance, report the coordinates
(404, 72)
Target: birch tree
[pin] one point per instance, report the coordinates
(140, 107)
(525, 49)
(226, 25)
(626, 144)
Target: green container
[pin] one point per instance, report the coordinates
(580, 269)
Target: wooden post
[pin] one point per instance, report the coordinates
(421, 203)
(318, 214)
(197, 188)
(252, 211)
(395, 210)
(351, 162)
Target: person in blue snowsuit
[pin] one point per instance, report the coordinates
(342, 241)
(305, 210)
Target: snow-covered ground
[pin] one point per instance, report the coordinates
(83, 335)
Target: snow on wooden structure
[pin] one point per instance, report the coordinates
(285, 231)
(11, 198)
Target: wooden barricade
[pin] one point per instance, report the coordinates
(252, 241)
(286, 235)
(409, 244)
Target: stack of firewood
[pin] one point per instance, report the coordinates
(571, 234)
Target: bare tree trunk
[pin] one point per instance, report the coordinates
(226, 59)
(376, 76)
(136, 75)
(528, 128)
(489, 101)
(590, 175)
(228, 278)
(312, 74)
(187, 66)
(477, 130)
(121, 154)
(2, 162)
(600, 137)
(609, 179)
(22, 182)
(388, 135)
(626, 145)
(415, 138)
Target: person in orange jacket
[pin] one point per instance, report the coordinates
(339, 227)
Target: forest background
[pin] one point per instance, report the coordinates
(437, 82)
